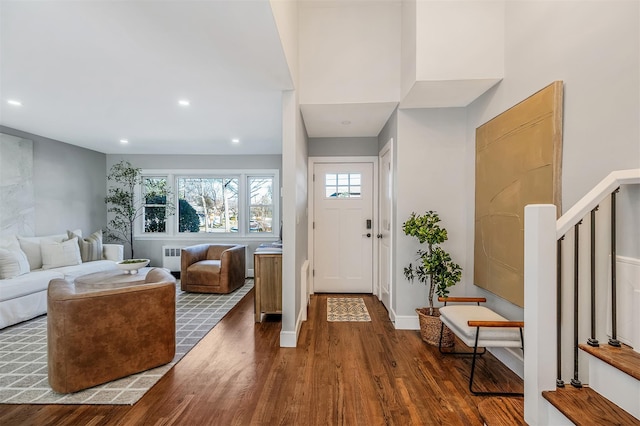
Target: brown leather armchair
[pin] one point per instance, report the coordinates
(212, 268)
(101, 332)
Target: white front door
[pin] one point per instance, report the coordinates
(384, 228)
(343, 230)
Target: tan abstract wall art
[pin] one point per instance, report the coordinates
(518, 162)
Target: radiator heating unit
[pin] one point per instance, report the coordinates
(171, 258)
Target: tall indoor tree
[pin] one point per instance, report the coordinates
(125, 206)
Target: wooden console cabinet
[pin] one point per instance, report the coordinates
(267, 264)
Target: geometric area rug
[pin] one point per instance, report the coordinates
(23, 355)
(347, 309)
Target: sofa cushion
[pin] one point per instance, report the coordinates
(33, 282)
(90, 247)
(31, 247)
(56, 254)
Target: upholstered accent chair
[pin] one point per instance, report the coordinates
(212, 268)
(101, 332)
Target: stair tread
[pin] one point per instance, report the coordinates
(502, 411)
(584, 406)
(623, 358)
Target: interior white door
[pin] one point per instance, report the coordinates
(343, 229)
(384, 228)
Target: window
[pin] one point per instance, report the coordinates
(342, 185)
(239, 203)
(260, 204)
(155, 204)
(214, 200)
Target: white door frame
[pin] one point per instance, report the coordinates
(310, 191)
(388, 147)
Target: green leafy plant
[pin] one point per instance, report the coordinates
(435, 265)
(123, 204)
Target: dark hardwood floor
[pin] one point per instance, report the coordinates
(340, 374)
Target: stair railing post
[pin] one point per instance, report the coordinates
(592, 341)
(613, 341)
(540, 243)
(559, 381)
(575, 382)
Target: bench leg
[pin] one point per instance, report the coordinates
(456, 353)
(473, 368)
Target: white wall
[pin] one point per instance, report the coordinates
(408, 48)
(594, 48)
(349, 52)
(294, 193)
(459, 40)
(430, 175)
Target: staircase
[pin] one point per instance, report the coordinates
(582, 310)
(614, 375)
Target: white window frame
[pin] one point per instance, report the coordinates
(243, 233)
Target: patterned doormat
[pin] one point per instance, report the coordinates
(347, 309)
(23, 355)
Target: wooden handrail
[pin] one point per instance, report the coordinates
(514, 324)
(462, 299)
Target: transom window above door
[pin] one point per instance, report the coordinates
(342, 185)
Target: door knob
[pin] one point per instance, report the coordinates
(368, 235)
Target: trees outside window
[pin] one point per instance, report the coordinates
(215, 200)
(260, 204)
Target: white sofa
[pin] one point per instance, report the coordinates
(23, 287)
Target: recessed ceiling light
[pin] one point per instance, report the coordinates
(124, 141)
(346, 122)
(184, 102)
(235, 140)
(14, 102)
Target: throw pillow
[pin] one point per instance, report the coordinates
(13, 261)
(54, 254)
(90, 247)
(31, 247)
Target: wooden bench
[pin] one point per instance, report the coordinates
(479, 327)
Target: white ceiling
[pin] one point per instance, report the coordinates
(91, 73)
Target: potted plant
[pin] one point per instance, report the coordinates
(125, 207)
(435, 268)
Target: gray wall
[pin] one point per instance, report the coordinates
(151, 247)
(337, 147)
(69, 185)
(389, 131)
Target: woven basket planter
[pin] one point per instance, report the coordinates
(430, 328)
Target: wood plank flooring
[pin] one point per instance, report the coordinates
(350, 373)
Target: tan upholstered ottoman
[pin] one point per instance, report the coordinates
(102, 332)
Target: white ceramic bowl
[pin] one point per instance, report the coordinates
(130, 267)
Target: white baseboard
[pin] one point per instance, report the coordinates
(288, 339)
(511, 357)
(407, 322)
(392, 315)
(250, 273)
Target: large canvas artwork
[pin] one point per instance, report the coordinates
(17, 204)
(518, 162)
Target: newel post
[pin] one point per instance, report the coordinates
(539, 309)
